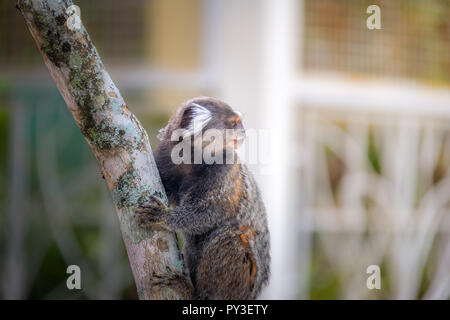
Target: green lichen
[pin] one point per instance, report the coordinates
(52, 44)
(128, 195)
(107, 137)
(81, 58)
(75, 62)
(129, 192)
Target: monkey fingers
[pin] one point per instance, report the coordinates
(173, 279)
(158, 202)
(152, 212)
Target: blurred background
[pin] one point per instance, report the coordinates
(357, 174)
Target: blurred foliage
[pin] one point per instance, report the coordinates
(4, 136)
(372, 153)
(323, 283)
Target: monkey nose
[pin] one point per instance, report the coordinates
(240, 135)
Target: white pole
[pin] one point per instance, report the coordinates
(280, 41)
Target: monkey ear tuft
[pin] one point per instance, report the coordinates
(198, 116)
(161, 134)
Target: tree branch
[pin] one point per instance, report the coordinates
(116, 137)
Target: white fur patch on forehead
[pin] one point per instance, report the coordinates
(200, 118)
(238, 113)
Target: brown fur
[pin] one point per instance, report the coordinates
(233, 274)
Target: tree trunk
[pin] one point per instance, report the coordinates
(116, 137)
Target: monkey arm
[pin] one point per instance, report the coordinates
(193, 218)
(191, 215)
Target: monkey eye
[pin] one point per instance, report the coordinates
(234, 122)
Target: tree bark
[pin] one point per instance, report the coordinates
(116, 137)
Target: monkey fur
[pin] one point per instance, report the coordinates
(216, 207)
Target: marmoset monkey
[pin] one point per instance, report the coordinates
(216, 206)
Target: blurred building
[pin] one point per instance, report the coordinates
(356, 173)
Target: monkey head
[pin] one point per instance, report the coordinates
(218, 126)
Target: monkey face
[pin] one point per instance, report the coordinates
(218, 122)
(228, 123)
(207, 125)
(236, 135)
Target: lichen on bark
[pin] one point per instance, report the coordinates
(128, 192)
(73, 51)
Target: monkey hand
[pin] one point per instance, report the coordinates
(154, 212)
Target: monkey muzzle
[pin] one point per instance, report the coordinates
(237, 138)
